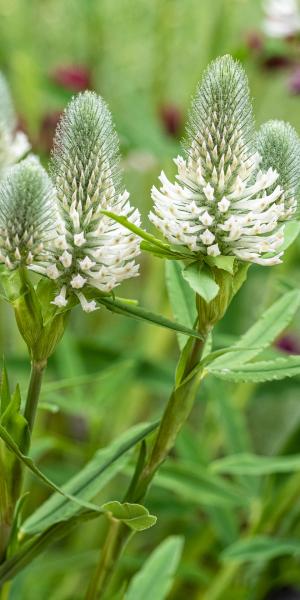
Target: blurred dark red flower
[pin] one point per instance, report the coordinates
(277, 61)
(73, 78)
(47, 130)
(288, 343)
(294, 81)
(171, 119)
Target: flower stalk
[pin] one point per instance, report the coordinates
(35, 384)
(175, 415)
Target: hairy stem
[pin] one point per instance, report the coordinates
(176, 413)
(37, 371)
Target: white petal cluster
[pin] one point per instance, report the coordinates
(13, 144)
(91, 250)
(223, 202)
(282, 18)
(27, 215)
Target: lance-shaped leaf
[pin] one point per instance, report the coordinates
(137, 312)
(106, 463)
(263, 333)
(5, 436)
(155, 578)
(261, 548)
(33, 548)
(251, 464)
(182, 298)
(258, 372)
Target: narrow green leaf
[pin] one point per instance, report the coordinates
(182, 298)
(199, 276)
(163, 253)
(259, 372)
(135, 516)
(291, 232)
(137, 312)
(4, 435)
(155, 579)
(251, 464)
(261, 548)
(148, 237)
(33, 548)
(198, 485)
(106, 463)
(263, 333)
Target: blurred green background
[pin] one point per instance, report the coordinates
(145, 58)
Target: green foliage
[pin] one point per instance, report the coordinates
(182, 298)
(250, 464)
(262, 333)
(201, 280)
(261, 548)
(135, 516)
(156, 576)
(129, 309)
(231, 486)
(267, 370)
(88, 482)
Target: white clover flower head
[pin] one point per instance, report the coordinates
(13, 144)
(282, 18)
(91, 250)
(27, 215)
(228, 199)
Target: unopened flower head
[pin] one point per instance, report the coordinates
(227, 199)
(13, 145)
(92, 250)
(279, 147)
(27, 215)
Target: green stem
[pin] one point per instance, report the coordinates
(176, 413)
(116, 538)
(4, 591)
(37, 370)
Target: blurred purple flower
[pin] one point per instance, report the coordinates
(171, 118)
(254, 41)
(73, 78)
(288, 343)
(294, 81)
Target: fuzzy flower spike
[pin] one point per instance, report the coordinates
(13, 144)
(92, 250)
(228, 199)
(27, 216)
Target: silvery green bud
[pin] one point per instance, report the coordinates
(13, 145)
(226, 200)
(279, 146)
(92, 250)
(27, 215)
